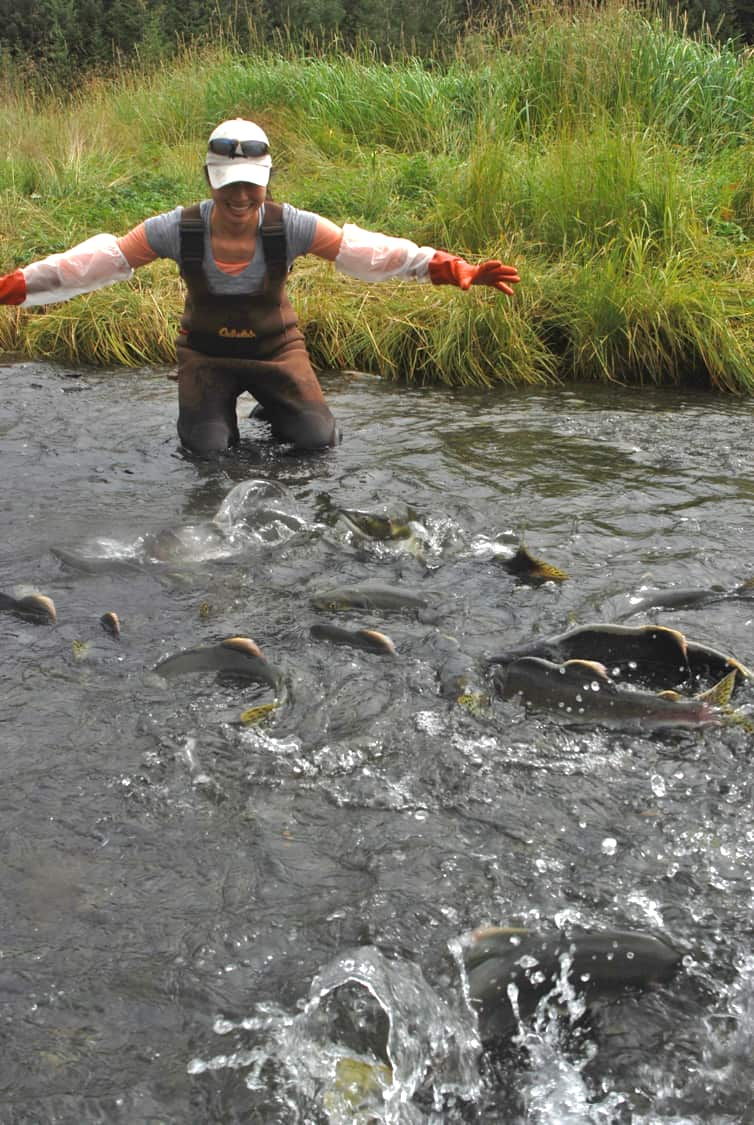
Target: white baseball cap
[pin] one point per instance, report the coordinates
(238, 151)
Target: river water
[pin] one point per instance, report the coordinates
(181, 890)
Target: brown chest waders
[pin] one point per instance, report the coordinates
(247, 342)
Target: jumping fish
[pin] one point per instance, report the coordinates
(592, 962)
(236, 656)
(374, 526)
(36, 608)
(386, 598)
(527, 566)
(582, 690)
(651, 653)
(507, 972)
(368, 640)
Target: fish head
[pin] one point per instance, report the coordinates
(329, 601)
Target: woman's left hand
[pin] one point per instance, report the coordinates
(449, 269)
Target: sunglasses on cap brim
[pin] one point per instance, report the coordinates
(223, 146)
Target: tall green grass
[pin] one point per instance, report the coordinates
(615, 60)
(600, 149)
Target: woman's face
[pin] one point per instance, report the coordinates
(237, 204)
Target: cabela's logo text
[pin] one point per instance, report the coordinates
(237, 333)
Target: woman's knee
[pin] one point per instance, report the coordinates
(207, 438)
(310, 427)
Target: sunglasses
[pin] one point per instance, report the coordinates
(223, 146)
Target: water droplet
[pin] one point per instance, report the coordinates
(658, 786)
(528, 962)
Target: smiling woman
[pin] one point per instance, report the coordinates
(239, 331)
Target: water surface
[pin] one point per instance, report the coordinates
(173, 882)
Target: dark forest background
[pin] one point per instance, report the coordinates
(56, 41)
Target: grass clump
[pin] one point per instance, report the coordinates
(604, 152)
(628, 318)
(421, 334)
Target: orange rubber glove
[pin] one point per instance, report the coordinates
(13, 288)
(449, 269)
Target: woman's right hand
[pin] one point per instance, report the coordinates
(13, 288)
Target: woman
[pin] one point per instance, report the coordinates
(238, 329)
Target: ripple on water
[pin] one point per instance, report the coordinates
(173, 866)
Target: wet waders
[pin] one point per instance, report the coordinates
(232, 344)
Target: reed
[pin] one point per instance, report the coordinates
(128, 325)
(627, 317)
(595, 145)
(421, 334)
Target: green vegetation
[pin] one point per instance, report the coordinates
(51, 43)
(600, 149)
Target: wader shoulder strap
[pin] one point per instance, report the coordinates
(273, 241)
(191, 234)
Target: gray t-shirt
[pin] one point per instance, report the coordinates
(164, 238)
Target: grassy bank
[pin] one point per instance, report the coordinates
(601, 151)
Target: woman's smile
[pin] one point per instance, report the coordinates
(238, 203)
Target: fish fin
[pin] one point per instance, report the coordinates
(594, 667)
(243, 644)
(744, 672)
(673, 696)
(738, 719)
(371, 525)
(358, 1086)
(720, 694)
(475, 702)
(676, 634)
(499, 931)
(38, 606)
(110, 622)
(381, 639)
(254, 715)
(525, 565)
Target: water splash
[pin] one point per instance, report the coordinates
(374, 1042)
(554, 1090)
(718, 1088)
(261, 512)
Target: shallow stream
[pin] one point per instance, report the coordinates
(180, 889)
